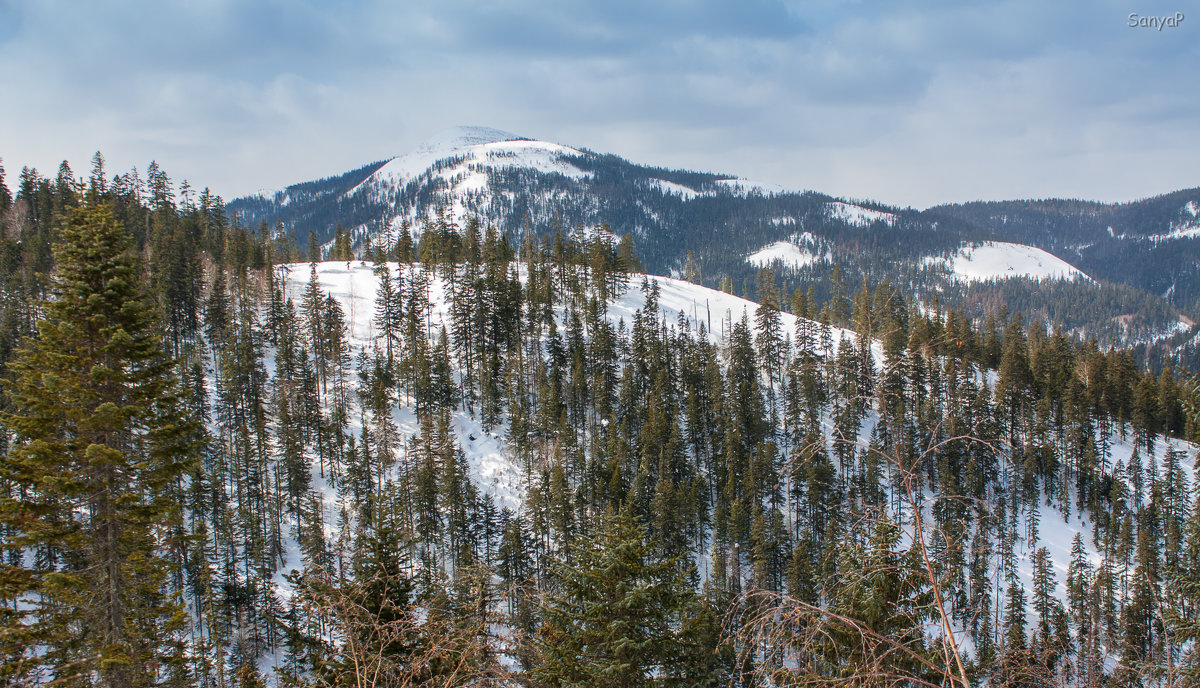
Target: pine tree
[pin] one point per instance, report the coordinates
(768, 326)
(100, 442)
(615, 620)
(1016, 658)
(5, 194)
(1044, 601)
(691, 269)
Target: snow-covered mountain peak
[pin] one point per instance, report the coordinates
(455, 139)
(457, 167)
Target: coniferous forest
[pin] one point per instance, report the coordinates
(446, 458)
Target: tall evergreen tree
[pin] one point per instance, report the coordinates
(100, 443)
(616, 619)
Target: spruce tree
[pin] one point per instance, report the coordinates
(615, 620)
(99, 443)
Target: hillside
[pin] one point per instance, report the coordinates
(685, 310)
(1038, 492)
(1149, 243)
(471, 463)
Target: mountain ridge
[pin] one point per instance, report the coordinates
(1141, 255)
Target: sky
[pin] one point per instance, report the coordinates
(907, 103)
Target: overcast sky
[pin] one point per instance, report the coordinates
(907, 103)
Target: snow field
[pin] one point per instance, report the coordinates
(789, 253)
(1000, 260)
(857, 215)
(745, 187)
(672, 189)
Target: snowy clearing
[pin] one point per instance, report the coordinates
(1000, 260)
(745, 187)
(785, 252)
(672, 189)
(857, 215)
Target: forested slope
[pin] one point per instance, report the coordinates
(457, 460)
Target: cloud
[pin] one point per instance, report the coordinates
(910, 103)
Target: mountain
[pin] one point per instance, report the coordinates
(1125, 274)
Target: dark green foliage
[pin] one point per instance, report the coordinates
(99, 445)
(620, 615)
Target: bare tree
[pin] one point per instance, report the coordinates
(911, 640)
(371, 643)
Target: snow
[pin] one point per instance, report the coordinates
(494, 471)
(717, 310)
(354, 286)
(1057, 533)
(1178, 327)
(672, 189)
(735, 187)
(1188, 231)
(537, 155)
(1000, 260)
(858, 215)
(458, 138)
(1185, 228)
(786, 252)
(745, 187)
(466, 155)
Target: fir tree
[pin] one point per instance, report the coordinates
(615, 619)
(100, 441)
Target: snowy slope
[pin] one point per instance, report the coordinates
(493, 471)
(460, 160)
(858, 215)
(716, 310)
(687, 193)
(354, 287)
(1187, 227)
(788, 253)
(745, 187)
(1000, 260)
(468, 146)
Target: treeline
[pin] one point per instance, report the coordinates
(783, 505)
